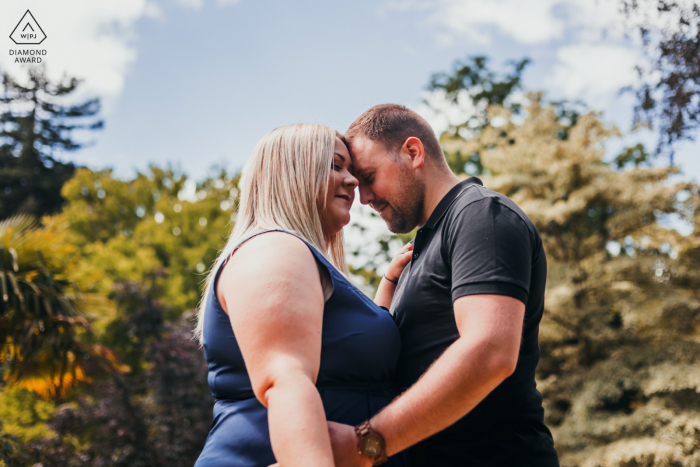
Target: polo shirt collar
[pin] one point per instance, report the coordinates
(448, 199)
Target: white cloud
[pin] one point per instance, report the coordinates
(94, 40)
(441, 112)
(527, 22)
(594, 71)
(593, 57)
(191, 3)
(86, 39)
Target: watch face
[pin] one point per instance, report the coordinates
(372, 445)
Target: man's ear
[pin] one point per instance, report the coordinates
(413, 147)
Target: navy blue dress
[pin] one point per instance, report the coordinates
(359, 352)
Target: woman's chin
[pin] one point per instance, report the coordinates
(346, 220)
(334, 227)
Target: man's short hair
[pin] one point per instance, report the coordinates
(391, 125)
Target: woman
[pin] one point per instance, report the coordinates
(289, 342)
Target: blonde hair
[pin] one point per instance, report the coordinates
(279, 187)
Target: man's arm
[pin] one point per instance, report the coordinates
(486, 353)
(489, 306)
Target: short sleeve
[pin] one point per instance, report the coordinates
(489, 248)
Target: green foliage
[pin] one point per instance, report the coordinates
(483, 85)
(634, 156)
(35, 123)
(473, 87)
(144, 245)
(157, 417)
(44, 336)
(25, 416)
(147, 229)
(139, 322)
(157, 414)
(474, 83)
(8, 451)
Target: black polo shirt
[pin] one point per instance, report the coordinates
(476, 241)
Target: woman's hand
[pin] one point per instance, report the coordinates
(386, 289)
(398, 264)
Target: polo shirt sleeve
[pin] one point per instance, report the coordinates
(490, 251)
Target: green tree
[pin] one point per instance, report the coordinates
(157, 415)
(143, 244)
(619, 338)
(44, 335)
(35, 124)
(149, 229)
(473, 83)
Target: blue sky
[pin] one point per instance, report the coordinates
(198, 82)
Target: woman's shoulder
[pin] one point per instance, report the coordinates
(281, 248)
(270, 258)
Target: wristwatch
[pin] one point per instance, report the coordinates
(371, 443)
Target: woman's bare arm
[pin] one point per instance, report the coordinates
(273, 296)
(386, 289)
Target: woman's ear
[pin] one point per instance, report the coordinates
(415, 150)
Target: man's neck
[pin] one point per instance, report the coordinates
(436, 187)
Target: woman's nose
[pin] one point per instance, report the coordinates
(351, 181)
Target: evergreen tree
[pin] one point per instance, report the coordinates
(34, 126)
(620, 365)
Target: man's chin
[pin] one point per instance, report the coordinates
(388, 221)
(396, 228)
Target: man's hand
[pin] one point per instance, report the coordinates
(344, 443)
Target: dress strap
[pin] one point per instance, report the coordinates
(328, 288)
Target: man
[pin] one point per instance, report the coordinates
(468, 308)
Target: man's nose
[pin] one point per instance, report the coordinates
(366, 195)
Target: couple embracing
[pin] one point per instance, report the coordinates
(438, 370)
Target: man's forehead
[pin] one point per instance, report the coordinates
(365, 152)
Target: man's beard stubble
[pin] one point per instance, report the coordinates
(408, 206)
